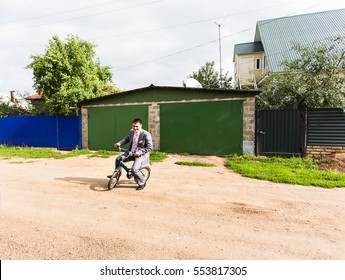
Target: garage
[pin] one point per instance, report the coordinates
(180, 119)
(106, 125)
(202, 127)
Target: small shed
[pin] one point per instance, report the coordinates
(180, 119)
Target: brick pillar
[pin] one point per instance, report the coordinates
(84, 130)
(154, 125)
(248, 125)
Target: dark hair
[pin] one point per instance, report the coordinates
(137, 120)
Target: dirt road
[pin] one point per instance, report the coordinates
(61, 209)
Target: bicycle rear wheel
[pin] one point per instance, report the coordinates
(146, 171)
(114, 179)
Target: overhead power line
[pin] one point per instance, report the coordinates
(204, 44)
(82, 17)
(179, 52)
(59, 13)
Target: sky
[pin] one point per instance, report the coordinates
(144, 42)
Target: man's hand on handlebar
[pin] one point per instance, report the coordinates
(129, 153)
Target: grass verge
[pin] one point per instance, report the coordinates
(299, 171)
(8, 152)
(195, 163)
(157, 156)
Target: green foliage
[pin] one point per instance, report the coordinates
(154, 156)
(7, 152)
(40, 108)
(208, 77)
(316, 79)
(299, 171)
(68, 73)
(102, 154)
(7, 110)
(157, 156)
(195, 163)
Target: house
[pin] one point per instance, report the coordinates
(250, 64)
(35, 98)
(274, 39)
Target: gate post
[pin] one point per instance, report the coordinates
(256, 138)
(304, 131)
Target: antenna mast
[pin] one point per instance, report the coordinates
(220, 56)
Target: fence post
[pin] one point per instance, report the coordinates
(304, 132)
(57, 133)
(256, 136)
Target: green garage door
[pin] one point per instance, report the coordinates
(202, 127)
(107, 125)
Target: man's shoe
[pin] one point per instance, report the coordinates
(141, 187)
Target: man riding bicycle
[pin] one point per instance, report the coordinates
(140, 144)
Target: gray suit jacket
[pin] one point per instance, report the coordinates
(144, 144)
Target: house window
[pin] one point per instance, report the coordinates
(265, 62)
(258, 64)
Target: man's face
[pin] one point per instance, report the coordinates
(136, 127)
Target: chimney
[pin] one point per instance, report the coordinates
(13, 100)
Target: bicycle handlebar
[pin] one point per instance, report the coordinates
(127, 152)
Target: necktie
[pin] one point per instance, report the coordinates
(135, 143)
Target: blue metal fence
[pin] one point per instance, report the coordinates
(63, 133)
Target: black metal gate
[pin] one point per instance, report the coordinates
(280, 132)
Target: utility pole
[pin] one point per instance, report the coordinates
(220, 56)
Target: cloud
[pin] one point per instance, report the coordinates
(145, 41)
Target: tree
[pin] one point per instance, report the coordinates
(8, 110)
(316, 79)
(68, 73)
(208, 77)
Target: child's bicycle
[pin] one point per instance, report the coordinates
(114, 179)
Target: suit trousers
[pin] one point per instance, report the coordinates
(137, 164)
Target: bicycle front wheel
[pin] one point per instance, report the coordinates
(114, 179)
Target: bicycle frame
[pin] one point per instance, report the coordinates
(128, 170)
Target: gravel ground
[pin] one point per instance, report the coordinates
(61, 209)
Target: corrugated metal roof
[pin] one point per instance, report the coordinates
(245, 48)
(173, 89)
(279, 35)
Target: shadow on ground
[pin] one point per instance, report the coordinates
(98, 184)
